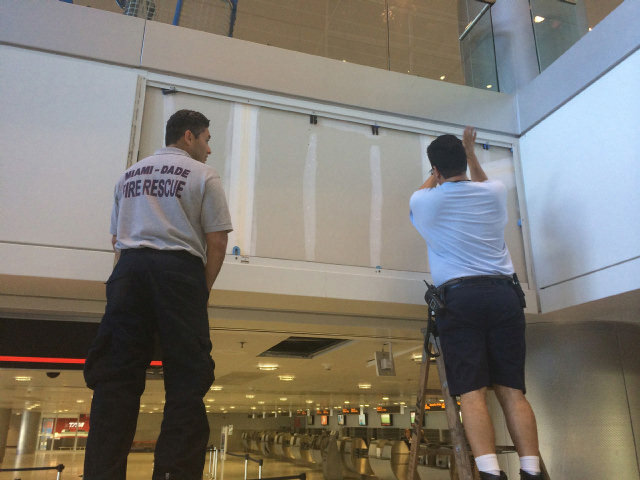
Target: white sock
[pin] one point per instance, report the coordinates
(488, 463)
(531, 465)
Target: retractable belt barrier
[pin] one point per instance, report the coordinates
(59, 468)
(302, 476)
(248, 459)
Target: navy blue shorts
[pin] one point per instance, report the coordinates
(482, 335)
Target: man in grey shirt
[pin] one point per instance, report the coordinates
(169, 229)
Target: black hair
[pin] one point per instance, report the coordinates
(447, 154)
(184, 120)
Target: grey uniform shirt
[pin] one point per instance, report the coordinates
(169, 201)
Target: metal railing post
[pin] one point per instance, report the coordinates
(260, 470)
(246, 462)
(215, 463)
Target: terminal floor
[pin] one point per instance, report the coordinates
(140, 466)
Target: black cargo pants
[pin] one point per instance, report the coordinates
(151, 291)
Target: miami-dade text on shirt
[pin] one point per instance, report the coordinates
(163, 187)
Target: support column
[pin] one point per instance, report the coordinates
(29, 430)
(5, 420)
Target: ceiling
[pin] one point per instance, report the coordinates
(330, 379)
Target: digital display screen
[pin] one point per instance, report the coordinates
(324, 420)
(310, 420)
(413, 418)
(385, 419)
(340, 419)
(362, 419)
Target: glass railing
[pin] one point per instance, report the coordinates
(443, 40)
(558, 24)
(478, 52)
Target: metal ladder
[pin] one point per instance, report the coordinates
(463, 468)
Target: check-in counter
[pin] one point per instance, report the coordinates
(318, 446)
(277, 445)
(266, 444)
(286, 446)
(245, 442)
(355, 456)
(301, 448)
(389, 459)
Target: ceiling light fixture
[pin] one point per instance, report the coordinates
(364, 386)
(489, 86)
(216, 388)
(261, 402)
(538, 19)
(249, 395)
(416, 357)
(308, 401)
(268, 367)
(283, 399)
(385, 398)
(22, 379)
(442, 77)
(286, 378)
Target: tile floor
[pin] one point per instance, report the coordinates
(140, 466)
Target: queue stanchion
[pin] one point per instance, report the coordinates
(59, 468)
(260, 469)
(246, 464)
(215, 463)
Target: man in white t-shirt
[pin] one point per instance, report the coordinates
(482, 327)
(169, 229)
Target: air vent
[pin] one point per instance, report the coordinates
(302, 347)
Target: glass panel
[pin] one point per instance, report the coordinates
(479, 55)
(424, 39)
(557, 24)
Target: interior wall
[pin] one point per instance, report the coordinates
(582, 195)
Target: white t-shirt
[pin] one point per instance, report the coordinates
(463, 224)
(169, 201)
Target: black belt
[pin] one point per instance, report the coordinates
(148, 250)
(477, 280)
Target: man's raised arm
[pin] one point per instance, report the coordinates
(469, 140)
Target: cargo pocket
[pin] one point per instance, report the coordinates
(208, 376)
(96, 367)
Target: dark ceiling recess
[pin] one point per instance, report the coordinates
(302, 347)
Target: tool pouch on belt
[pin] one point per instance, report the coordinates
(519, 291)
(433, 299)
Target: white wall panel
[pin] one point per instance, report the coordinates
(65, 132)
(580, 167)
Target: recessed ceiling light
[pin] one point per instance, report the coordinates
(416, 357)
(283, 399)
(22, 379)
(222, 408)
(141, 406)
(217, 388)
(385, 398)
(253, 408)
(442, 77)
(489, 86)
(232, 407)
(79, 401)
(347, 402)
(308, 401)
(402, 403)
(249, 395)
(268, 366)
(364, 386)
(211, 400)
(286, 378)
(366, 404)
(538, 19)
(261, 402)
